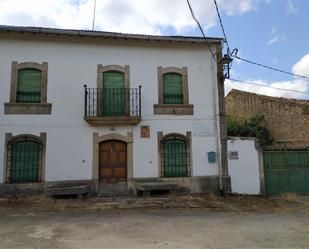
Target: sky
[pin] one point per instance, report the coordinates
(271, 32)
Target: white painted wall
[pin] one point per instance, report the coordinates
(244, 172)
(69, 137)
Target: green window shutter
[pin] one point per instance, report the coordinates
(25, 162)
(114, 94)
(29, 86)
(172, 88)
(175, 158)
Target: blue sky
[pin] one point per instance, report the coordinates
(273, 32)
(253, 32)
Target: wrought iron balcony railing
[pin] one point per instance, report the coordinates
(112, 102)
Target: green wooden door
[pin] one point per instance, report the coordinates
(172, 88)
(175, 162)
(29, 86)
(286, 171)
(25, 161)
(114, 94)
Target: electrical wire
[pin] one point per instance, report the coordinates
(249, 61)
(220, 20)
(268, 67)
(243, 59)
(257, 84)
(201, 29)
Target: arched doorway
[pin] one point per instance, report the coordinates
(112, 161)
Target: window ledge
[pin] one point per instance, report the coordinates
(27, 108)
(173, 109)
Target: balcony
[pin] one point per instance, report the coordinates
(112, 106)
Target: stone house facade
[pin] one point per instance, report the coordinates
(286, 119)
(110, 110)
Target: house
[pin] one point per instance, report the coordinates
(286, 119)
(110, 110)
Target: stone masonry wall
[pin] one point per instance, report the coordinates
(286, 119)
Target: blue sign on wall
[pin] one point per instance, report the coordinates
(211, 157)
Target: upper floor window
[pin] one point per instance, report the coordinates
(113, 84)
(172, 88)
(28, 93)
(29, 86)
(113, 94)
(173, 92)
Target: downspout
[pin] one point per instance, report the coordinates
(225, 179)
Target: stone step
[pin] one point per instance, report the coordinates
(68, 190)
(152, 186)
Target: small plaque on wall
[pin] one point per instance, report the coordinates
(145, 131)
(233, 155)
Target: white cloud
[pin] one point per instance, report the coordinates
(274, 37)
(290, 8)
(236, 7)
(131, 16)
(302, 66)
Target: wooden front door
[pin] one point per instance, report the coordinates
(113, 161)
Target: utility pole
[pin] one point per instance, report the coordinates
(93, 20)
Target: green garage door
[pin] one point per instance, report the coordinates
(286, 171)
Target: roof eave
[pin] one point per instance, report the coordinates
(106, 35)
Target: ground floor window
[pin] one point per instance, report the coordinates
(175, 156)
(24, 160)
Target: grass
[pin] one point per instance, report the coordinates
(290, 197)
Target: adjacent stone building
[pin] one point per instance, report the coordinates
(287, 119)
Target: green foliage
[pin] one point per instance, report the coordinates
(254, 127)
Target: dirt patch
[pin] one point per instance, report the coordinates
(227, 203)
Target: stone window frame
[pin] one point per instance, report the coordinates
(10, 139)
(12, 107)
(173, 109)
(102, 69)
(187, 138)
(128, 139)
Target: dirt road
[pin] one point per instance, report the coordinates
(169, 228)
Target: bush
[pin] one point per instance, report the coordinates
(254, 127)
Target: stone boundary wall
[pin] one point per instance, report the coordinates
(286, 119)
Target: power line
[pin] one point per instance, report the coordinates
(219, 16)
(236, 50)
(257, 84)
(269, 67)
(201, 29)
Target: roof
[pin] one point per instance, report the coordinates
(105, 35)
(270, 98)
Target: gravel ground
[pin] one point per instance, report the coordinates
(187, 229)
(184, 222)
